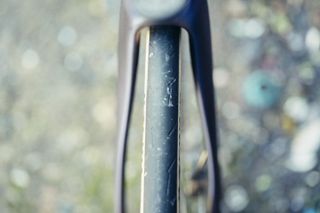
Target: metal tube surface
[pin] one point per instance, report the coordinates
(161, 139)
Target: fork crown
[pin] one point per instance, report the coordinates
(193, 16)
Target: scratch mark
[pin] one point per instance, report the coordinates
(169, 96)
(167, 72)
(167, 57)
(173, 129)
(169, 179)
(172, 202)
(171, 165)
(168, 185)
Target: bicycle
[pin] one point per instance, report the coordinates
(160, 163)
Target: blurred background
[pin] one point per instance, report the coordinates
(58, 73)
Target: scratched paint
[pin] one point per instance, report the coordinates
(159, 186)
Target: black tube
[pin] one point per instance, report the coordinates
(161, 137)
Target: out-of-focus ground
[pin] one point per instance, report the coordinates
(57, 105)
(58, 72)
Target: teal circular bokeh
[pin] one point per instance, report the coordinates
(261, 90)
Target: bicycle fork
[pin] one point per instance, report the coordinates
(192, 15)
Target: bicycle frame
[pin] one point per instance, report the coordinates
(193, 16)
